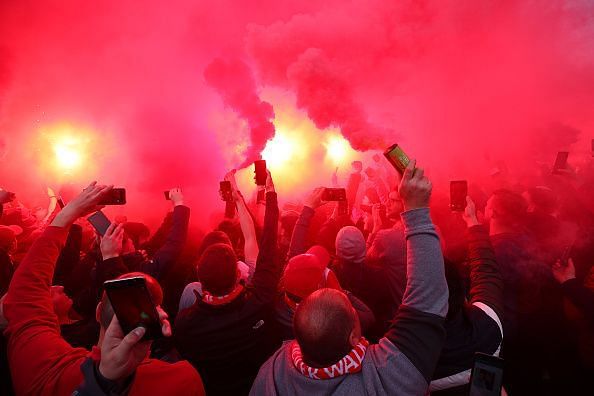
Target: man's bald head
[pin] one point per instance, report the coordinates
(323, 324)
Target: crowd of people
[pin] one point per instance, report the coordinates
(386, 292)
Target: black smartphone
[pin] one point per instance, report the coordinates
(226, 191)
(458, 193)
(397, 158)
(100, 222)
(133, 306)
(486, 378)
(334, 194)
(166, 193)
(117, 196)
(61, 202)
(560, 161)
(260, 170)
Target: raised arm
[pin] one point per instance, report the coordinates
(246, 222)
(268, 266)
(167, 254)
(36, 351)
(418, 329)
(486, 284)
(301, 228)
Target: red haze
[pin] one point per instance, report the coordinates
(461, 85)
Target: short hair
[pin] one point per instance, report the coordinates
(543, 198)
(217, 269)
(152, 285)
(322, 324)
(211, 238)
(510, 207)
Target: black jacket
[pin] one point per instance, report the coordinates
(228, 344)
(477, 326)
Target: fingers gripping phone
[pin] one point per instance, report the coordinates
(486, 378)
(100, 222)
(117, 196)
(458, 193)
(133, 306)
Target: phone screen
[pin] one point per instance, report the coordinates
(117, 196)
(560, 161)
(226, 191)
(100, 222)
(334, 194)
(458, 193)
(397, 158)
(260, 170)
(133, 306)
(486, 378)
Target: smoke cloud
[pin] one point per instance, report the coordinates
(234, 81)
(460, 85)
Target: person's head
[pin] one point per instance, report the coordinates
(233, 230)
(394, 205)
(137, 233)
(8, 238)
(541, 199)
(62, 303)
(506, 208)
(350, 245)
(326, 326)
(357, 166)
(217, 269)
(306, 273)
(211, 238)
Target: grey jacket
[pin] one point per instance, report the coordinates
(404, 360)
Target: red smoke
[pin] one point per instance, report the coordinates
(234, 81)
(461, 85)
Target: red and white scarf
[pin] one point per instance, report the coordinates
(211, 299)
(349, 364)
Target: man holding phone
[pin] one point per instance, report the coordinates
(41, 360)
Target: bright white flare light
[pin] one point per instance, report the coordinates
(67, 153)
(278, 151)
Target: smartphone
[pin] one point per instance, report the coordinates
(397, 158)
(560, 161)
(61, 202)
(458, 193)
(133, 306)
(167, 195)
(117, 196)
(486, 378)
(592, 143)
(260, 170)
(100, 222)
(334, 194)
(226, 191)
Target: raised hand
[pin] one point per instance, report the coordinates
(563, 272)
(122, 353)
(314, 200)
(85, 203)
(469, 214)
(176, 196)
(111, 243)
(415, 188)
